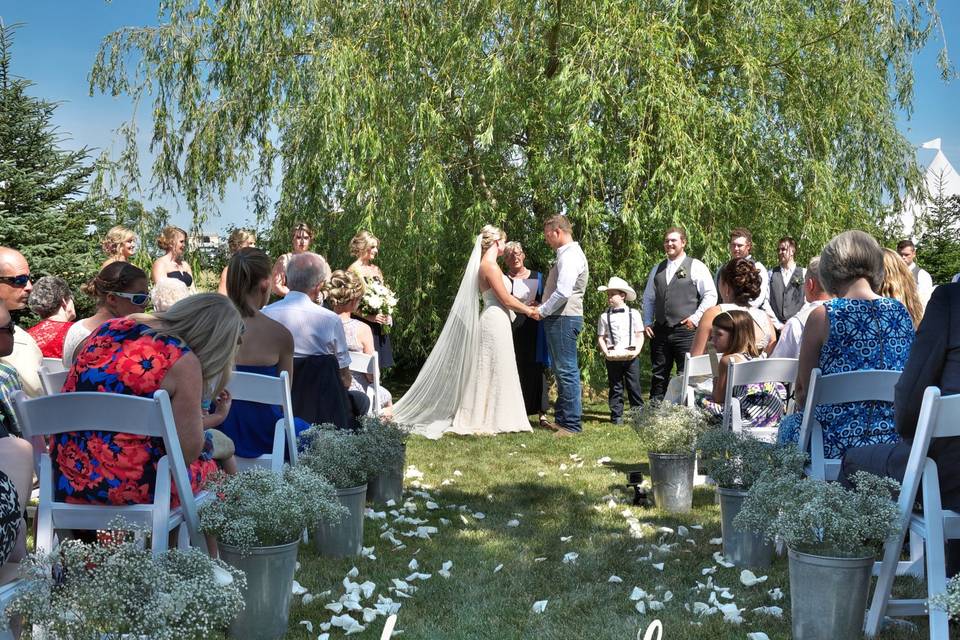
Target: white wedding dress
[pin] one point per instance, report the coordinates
(469, 384)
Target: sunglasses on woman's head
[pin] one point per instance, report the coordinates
(139, 299)
(16, 281)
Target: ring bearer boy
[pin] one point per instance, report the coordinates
(620, 335)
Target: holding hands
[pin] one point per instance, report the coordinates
(534, 313)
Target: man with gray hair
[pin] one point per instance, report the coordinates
(788, 346)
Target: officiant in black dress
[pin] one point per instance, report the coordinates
(529, 342)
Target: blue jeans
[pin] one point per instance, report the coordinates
(562, 332)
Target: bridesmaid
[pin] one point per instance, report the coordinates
(119, 244)
(365, 247)
(239, 239)
(301, 238)
(172, 240)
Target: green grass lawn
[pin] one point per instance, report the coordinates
(521, 477)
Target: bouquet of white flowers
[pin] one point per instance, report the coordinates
(378, 299)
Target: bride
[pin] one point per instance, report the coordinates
(469, 383)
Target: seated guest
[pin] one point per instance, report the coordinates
(267, 349)
(188, 351)
(120, 289)
(788, 345)
(857, 330)
(52, 301)
(934, 362)
(167, 293)
(345, 291)
(898, 284)
(740, 283)
(16, 482)
(15, 288)
(761, 404)
(315, 330)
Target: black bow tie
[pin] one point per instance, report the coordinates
(618, 310)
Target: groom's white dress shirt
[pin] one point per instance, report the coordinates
(316, 330)
(571, 262)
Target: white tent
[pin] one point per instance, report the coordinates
(940, 177)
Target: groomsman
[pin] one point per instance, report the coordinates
(741, 246)
(678, 291)
(908, 251)
(786, 282)
(788, 345)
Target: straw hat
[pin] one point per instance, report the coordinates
(619, 284)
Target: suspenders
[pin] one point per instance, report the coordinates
(611, 338)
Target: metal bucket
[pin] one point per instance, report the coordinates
(266, 598)
(346, 538)
(742, 548)
(671, 475)
(388, 484)
(828, 596)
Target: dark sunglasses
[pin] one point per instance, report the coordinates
(17, 281)
(139, 299)
(9, 328)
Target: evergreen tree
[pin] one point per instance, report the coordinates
(938, 229)
(42, 211)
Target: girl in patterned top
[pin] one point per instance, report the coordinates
(761, 404)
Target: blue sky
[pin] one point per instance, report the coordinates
(59, 39)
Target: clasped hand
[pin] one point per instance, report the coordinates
(534, 313)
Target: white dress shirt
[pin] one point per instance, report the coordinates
(316, 330)
(700, 276)
(617, 333)
(924, 283)
(788, 346)
(571, 261)
(956, 278)
(785, 274)
(26, 358)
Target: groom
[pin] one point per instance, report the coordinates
(562, 314)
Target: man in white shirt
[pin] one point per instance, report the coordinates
(786, 282)
(741, 246)
(908, 251)
(15, 288)
(788, 346)
(678, 291)
(316, 330)
(562, 316)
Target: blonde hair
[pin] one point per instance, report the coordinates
(848, 257)
(361, 243)
(490, 235)
(115, 238)
(247, 268)
(344, 287)
(210, 326)
(240, 237)
(898, 284)
(167, 293)
(168, 237)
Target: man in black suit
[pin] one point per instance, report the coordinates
(934, 362)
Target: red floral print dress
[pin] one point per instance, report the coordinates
(101, 467)
(49, 335)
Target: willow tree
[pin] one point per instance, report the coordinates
(421, 120)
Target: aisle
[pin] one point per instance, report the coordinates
(527, 518)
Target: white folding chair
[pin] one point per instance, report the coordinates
(52, 379)
(272, 390)
(751, 372)
(369, 364)
(93, 411)
(8, 592)
(939, 418)
(53, 364)
(693, 366)
(837, 388)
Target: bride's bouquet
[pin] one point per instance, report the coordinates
(377, 299)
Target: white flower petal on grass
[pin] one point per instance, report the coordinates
(716, 541)
(668, 596)
(540, 559)
(703, 609)
(413, 565)
(731, 613)
(446, 482)
(563, 466)
(497, 568)
(369, 615)
(638, 594)
(308, 625)
(658, 566)
(432, 505)
(615, 579)
(513, 523)
(776, 612)
(566, 538)
(541, 474)
(336, 607)
(367, 588)
(708, 570)
(666, 530)
(444, 521)
(641, 607)
(721, 560)
(698, 527)
(682, 531)
(479, 515)
(298, 589)
(655, 605)
(775, 593)
(323, 636)
(457, 473)
(353, 573)
(413, 472)
(757, 635)
(307, 598)
(445, 569)
(602, 461)
(391, 502)
(749, 578)
(539, 606)
(570, 557)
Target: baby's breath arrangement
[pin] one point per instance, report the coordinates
(345, 458)
(665, 427)
(823, 518)
(385, 440)
(736, 460)
(258, 508)
(950, 600)
(86, 591)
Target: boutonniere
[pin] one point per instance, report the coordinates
(681, 273)
(796, 280)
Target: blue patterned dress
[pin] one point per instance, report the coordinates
(864, 334)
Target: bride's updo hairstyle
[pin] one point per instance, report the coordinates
(489, 236)
(744, 281)
(344, 287)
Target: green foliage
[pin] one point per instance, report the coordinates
(665, 427)
(736, 461)
(938, 249)
(258, 508)
(421, 121)
(823, 518)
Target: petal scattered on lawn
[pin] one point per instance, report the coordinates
(540, 559)
(775, 593)
(308, 625)
(566, 538)
(721, 560)
(655, 605)
(307, 598)
(757, 635)
(353, 573)
(638, 594)
(479, 515)
(541, 474)
(414, 473)
(570, 557)
(716, 541)
(457, 473)
(698, 527)
(413, 565)
(776, 612)
(658, 566)
(749, 578)
(539, 606)
(298, 589)
(497, 568)
(641, 607)
(615, 579)
(432, 505)
(682, 531)
(445, 569)
(602, 461)
(706, 571)
(513, 523)
(336, 607)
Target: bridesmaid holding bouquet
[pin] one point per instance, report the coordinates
(376, 307)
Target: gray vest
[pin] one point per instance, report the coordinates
(675, 301)
(574, 304)
(786, 301)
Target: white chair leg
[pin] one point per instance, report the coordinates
(881, 593)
